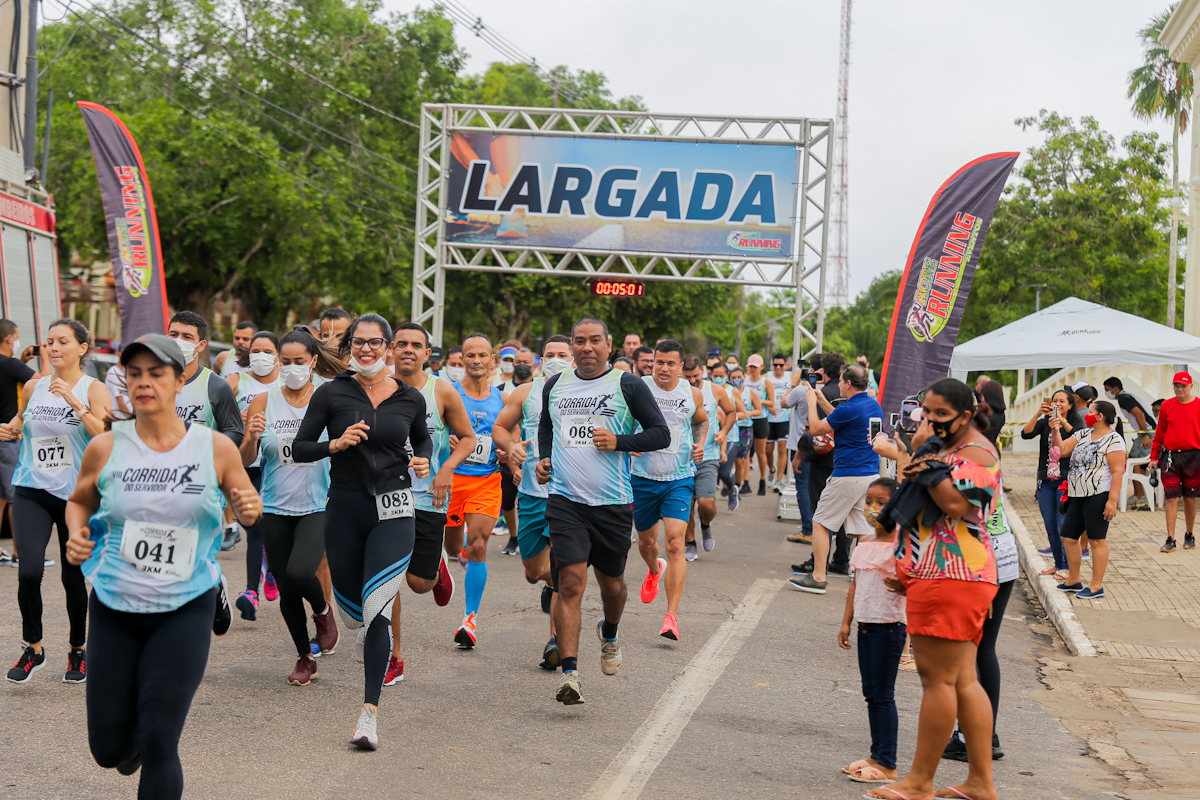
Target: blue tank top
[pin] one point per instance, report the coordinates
(482, 414)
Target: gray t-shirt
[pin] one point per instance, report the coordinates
(798, 403)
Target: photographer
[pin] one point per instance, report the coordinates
(1050, 473)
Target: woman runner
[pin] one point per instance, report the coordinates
(59, 415)
(145, 521)
(371, 418)
(293, 522)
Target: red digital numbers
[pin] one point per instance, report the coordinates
(618, 288)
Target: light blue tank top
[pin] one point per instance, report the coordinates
(289, 488)
(249, 387)
(440, 433)
(52, 440)
(748, 394)
(673, 462)
(580, 472)
(482, 414)
(711, 451)
(531, 418)
(760, 389)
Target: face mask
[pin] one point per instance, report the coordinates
(16, 347)
(189, 350)
(943, 431)
(554, 366)
(455, 373)
(1090, 420)
(1112, 395)
(719, 381)
(262, 363)
(507, 367)
(737, 382)
(872, 516)
(295, 376)
(369, 370)
(523, 372)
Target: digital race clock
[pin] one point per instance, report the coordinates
(602, 288)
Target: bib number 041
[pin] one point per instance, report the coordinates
(394, 505)
(160, 550)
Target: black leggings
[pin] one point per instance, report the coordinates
(295, 545)
(986, 662)
(143, 671)
(367, 562)
(35, 511)
(254, 542)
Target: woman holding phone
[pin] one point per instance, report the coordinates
(1050, 473)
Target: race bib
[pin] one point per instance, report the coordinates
(676, 438)
(578, 431)
(160, 550)
(482, 453)
(285, 453)
(394, 505)
(52, 452)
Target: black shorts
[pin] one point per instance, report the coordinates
(762, 429)
(508, 489)
(427, 546)
(778, 432)
(1085, 515)
(1181, 473)
(597, 535)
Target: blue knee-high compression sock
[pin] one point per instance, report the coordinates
(473, 584)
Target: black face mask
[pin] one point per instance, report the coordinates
(522, 372)
(943, 431)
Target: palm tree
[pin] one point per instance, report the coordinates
(1162, 89)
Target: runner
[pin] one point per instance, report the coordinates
(752, 405)
(477, 494)
(59, 415)
(369, 524)
(333, 324)
(145, 522)
(721, 418)
(643, 361)
(231, 362)
(444, 414)
(262, 359)
(664, 480)
(762, 426)
(583, 438)
(524, 408)
(779, 422)
(293, 495)
(725, 472)
(436, 358)
(510, 521)
(454, 364)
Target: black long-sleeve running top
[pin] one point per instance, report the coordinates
(379, 464)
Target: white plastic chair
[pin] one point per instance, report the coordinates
(1130, 476)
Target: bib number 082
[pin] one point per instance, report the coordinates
(394, 505)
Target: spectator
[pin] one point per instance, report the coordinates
(13, 375)
(1142, 422)
(979, 384)
(1093, 485)
(1156, 408)
(1081, 396)
(1056, 407)
(633, 341)
(1177, 447)
(872, 375)
(796, 400)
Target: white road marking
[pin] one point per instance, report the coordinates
(632, 768)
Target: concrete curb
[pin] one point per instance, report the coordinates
(1054, 601)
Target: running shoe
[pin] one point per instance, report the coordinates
(771, 479)
(806, 583)
(6, 559)
(231, 537)
(610, 652)
(1189, 541)
(670, 628)
(465, 635)
(569, 691)
(734, 501)
(650, 585)
(706, 538)
(500, 528)
(395, 671)
(328, 635)
(689, 551)
(1087, 554)
(29, 663)
(551, 658)
(247, 604)
(224, 615)
(956, 748)
(807, 566)
(366, 733)
(360, 644)
(76, 668)
(314, 648)
(270, 588)
(443, 590)
(510, 549)
(547, 596)
(1168, 546)
(462, 558)
(762, 488)
(745, 487)
(305, 671)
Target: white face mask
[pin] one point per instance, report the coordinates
(189, 350)
(555, 366)
(1112, 394)
(295, 376)
(455, 373)
(16, 347)
(507, 367)
(369, 370)
(262, 363)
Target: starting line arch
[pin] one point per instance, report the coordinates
(801, 269)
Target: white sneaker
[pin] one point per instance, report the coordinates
(610, 652)
(360, 644)
(366, 735)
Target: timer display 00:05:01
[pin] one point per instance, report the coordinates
(618, 288)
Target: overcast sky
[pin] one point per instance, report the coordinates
(933, 83)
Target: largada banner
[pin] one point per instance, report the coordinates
(937, 278)
(622, 195)
(132, 225)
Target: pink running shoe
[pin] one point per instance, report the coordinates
(270, 588)
(650, 585)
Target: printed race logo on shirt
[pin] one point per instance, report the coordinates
(587, 406)
(190, 413)
(55, 413)
(176, 480)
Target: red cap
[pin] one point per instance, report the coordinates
(1183, 377)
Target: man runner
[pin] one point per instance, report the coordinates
(705, 496)
(779, 422)
(664, 481)
(334, 322)
(524, 408)
(587, 428)
(226, 363)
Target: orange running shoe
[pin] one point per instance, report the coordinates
(650, 585)
(670, 628)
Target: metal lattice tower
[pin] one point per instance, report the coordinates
(840, 260)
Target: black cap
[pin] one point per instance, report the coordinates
(163, 347)
(435, 354)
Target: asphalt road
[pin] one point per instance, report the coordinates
(756, 700)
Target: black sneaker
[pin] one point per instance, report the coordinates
(551, 659)
(804, 568)
(724, 491)
(29, 663)
(230, 538)
(547, 596)
(838, 569)
(76, 671)
(997, 753)
(745, 488)
(762, 488)
(1189, 541)
(956, 748)
(510, 549)
(1168, 546)
(224, 616)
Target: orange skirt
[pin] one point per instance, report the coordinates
(948, 608)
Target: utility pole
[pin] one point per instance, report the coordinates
(840, 296)
(554, 88)
(737, 345)
(31, 70)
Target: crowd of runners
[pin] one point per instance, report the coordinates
(356, 458)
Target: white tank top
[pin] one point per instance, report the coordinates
(249, 388)
(53, 439)
(675, 460)
(289, 488)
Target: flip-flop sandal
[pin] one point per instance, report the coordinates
(870, 774)
(956, 791)
(1048, 571)
(857, 766)
(908, 664)
(891, 791)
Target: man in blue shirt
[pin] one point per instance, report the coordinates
(855, 466)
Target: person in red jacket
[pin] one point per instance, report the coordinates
(1178, 434)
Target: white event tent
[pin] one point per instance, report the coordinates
(1076, 333)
